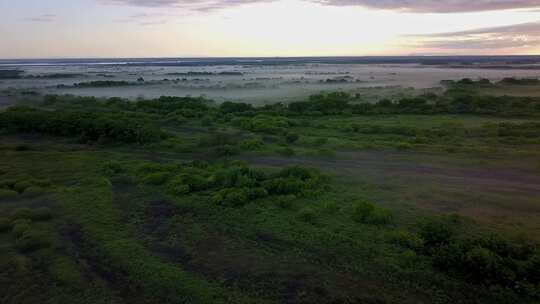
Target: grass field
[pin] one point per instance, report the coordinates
(184, 201)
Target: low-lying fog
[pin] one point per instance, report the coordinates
(256, 84)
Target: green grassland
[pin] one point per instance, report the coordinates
(427, 199)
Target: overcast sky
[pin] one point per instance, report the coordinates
(180, 28)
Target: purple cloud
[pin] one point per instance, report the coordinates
(522, 35)
(437, 6)
(421, 6)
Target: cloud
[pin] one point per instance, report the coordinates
(524, 35)
(421, 6)
(437, 6)
(42, 18)
(196, 5)
(148, 19)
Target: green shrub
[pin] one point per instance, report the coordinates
(7, 183)
(404, 146)
(307, 215)
(41, 214)
(483, 263)
(362, 211)
(286, 151)
(156, 179)
(256, 193)
(326, 152)
(5, 224)
(367, 213)
(297, 172)
(408, 240)
(186, 183)
(283, 186)
(21, 213)
(226, 150)
(112, 167)
(292, 137)
(330, 207)
(33, 191)
(436, 232)
(285, 201)
(21, 186)
(251, 144)
(19, 227)
(44, 183)
(66, 271)
(32, 240)
(232, 197)
(6, 194)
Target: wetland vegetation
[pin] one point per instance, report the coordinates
(337, 198)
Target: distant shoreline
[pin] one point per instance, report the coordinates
(474, 61)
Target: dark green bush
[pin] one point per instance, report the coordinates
(251, 144)
(232, 197)
(33, 191)
(283, 186)
(367, 213)
(408, 240)
(21, 213)
(285, 201)
(112, 167)
(87, 126)
(292, 137)
(307, 215)
(187, 183)
(6, 194)
(41, 214)
(226, 150)
(32, 240)
(20, 226)
(286, 152)
(5, 224)
(157, 178)
(362, 211)
(436, 232)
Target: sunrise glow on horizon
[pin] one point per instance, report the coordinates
(171, 28)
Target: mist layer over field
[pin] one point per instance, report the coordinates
(254, 81)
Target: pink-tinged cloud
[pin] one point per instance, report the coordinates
(420, 6)
(524, 35)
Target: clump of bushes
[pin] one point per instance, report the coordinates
(31, 240)
(489, 260)
(231, 197)
(189, 182)
(87, 126)
(307, 215)
(6, 194)
(11, 188)
(111, 168)
(5, 224)
(37, 214)
(234, 183)
(41, 214)
(367, 213)
(21, 213)
(20, 226)
(408, 240)
(156, 178)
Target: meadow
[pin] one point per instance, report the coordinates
(431, 197)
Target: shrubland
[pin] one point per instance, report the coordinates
(182, 200)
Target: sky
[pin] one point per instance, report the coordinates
(251, 28)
